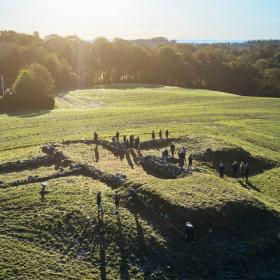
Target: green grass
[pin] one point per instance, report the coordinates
(37, 241)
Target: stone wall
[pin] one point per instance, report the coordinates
(112, 180)
(29, 164)
(157, 167)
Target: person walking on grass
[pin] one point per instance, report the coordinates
(221, 170)
(117, 202)
(189, 232)
(153, 135)
(160, 134)
(247, 172)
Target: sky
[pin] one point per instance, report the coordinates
(132, 19)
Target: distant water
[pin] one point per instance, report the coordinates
(231, 41)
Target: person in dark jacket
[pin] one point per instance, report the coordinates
(118, 136)
(190, 232)
(247, 172)
(221, 170)
(182, 156)
(165, 154)
(160, 134)
(117, 202)
(167, 134)
(242, 169)
(95, 136)
(234, 168)
(43, 191)
(153, 135)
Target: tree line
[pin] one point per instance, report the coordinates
(251, 68)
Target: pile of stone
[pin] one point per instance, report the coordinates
(83, 141)
(157, 167)
(157, 143)
(38, 179)
(27, 164)
(115, 148)
(112, 180)
(52, 152)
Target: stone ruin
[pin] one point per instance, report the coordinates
(112, 180)
(157, 143)
(53, 156)
(116, 148)
(157, 167)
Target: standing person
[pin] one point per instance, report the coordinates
(189, 232)
(153, 135)
(190, 161)
(167, 134)
(117, 202)
(234, 167)
(164, 154)
(242, 169)
(99, 203)
(160, 134)
(221, 170)
(172, 148)
(182, 156)
(124, 138)
(118, 136)
(95, 136)
(43, 191)
(117, 198)
(131, 140)
(247, 172)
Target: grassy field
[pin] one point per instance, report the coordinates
(237, 223)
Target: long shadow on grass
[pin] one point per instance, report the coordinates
(128, 158)
(248, 185)
(27, 114)
(124, 274)
(102, 252)
(96, 153)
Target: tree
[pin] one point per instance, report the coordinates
(271, 82)
(34, 80)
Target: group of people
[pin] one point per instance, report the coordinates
(160, 134)
(131, 141)
(128, 142)
(181, 155)
(244, 170)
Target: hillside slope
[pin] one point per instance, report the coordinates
(237, 223)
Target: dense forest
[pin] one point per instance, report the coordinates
(251, 68)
